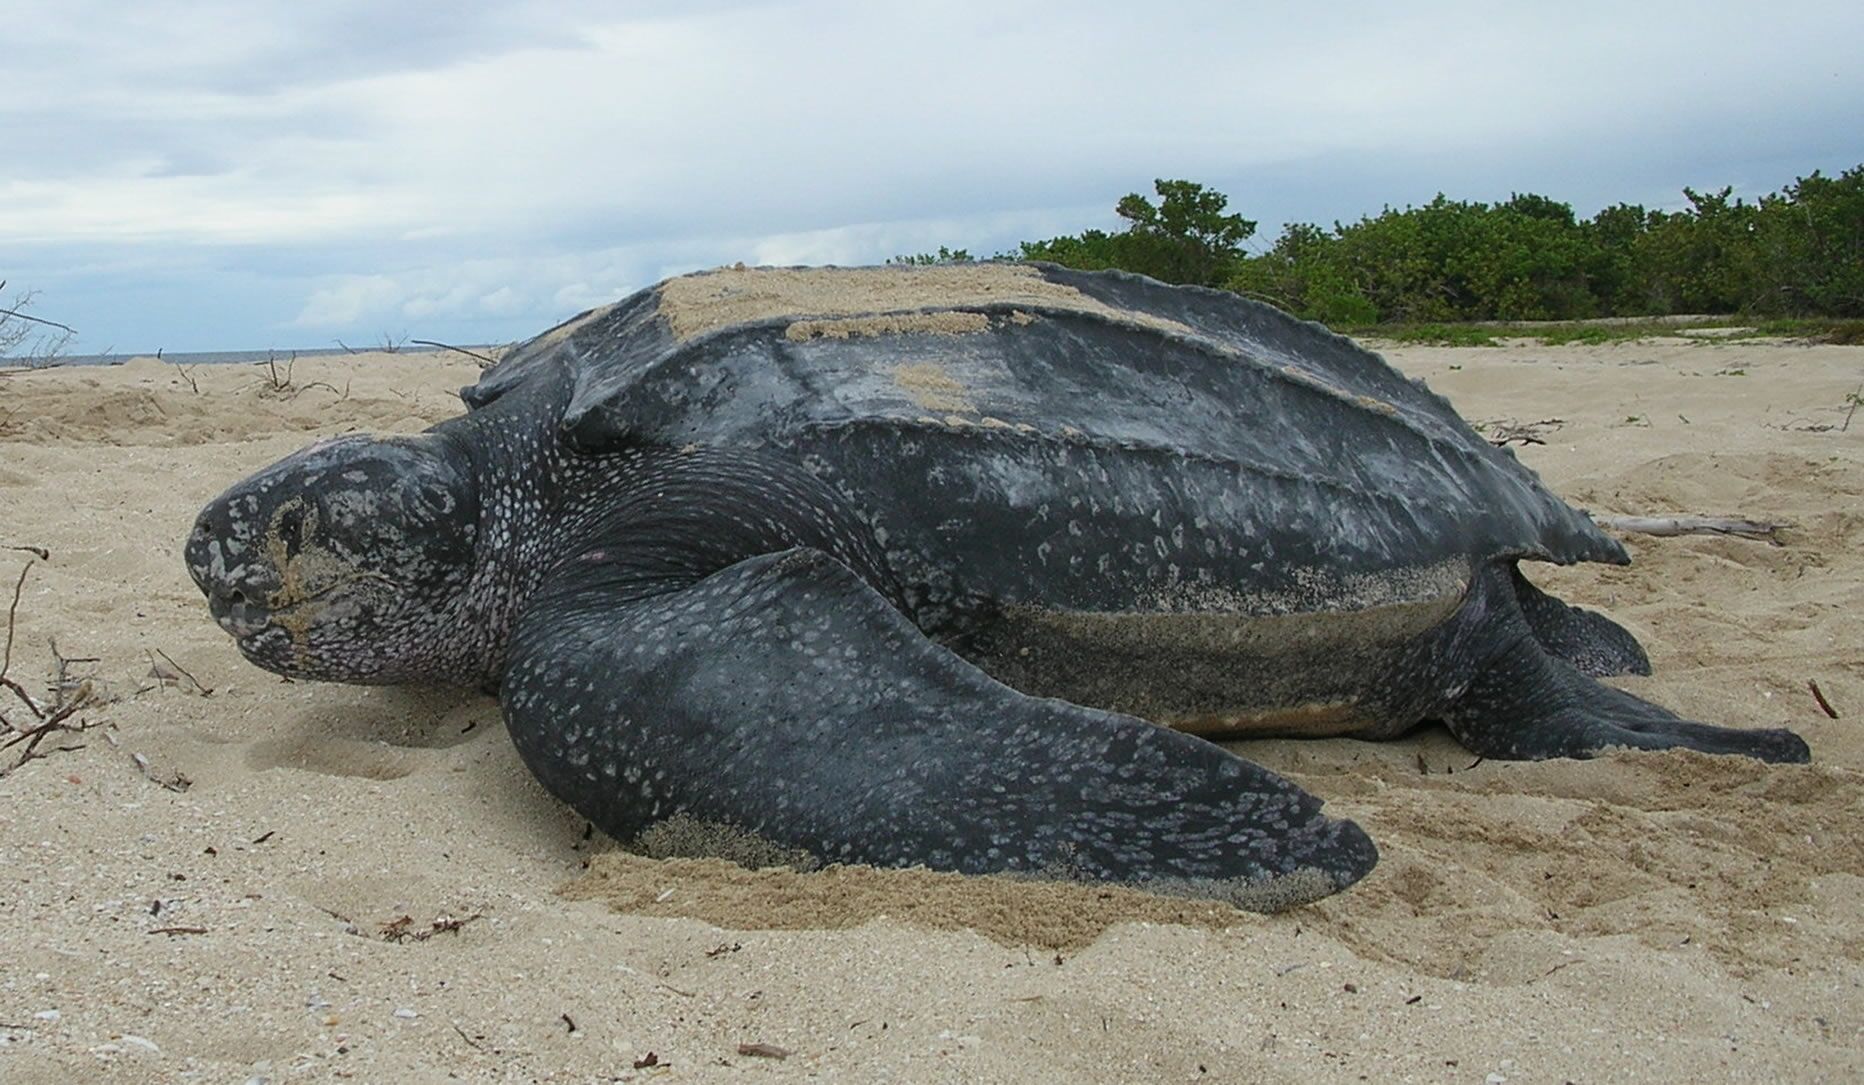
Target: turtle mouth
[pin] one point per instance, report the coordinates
(246, 620)
(237, 612)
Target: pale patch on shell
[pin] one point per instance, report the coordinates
(952, 322)
(695, 304)
(931, 387)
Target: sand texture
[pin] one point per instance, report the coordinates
(295, 882)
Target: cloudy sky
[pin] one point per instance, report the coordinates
(248, 175)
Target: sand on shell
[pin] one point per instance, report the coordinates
(1649, 916)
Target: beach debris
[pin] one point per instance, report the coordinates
(1740, 527)
(39, 552)
(174, 781)
(402, 929)
(71, 694)
(1819, 696)
(168, 673)
(1505, 431)
(647, 1060)
(764, 1051)
(568, 1020)
(172, 931)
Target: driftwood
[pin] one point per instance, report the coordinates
(1506, 431)
(1763, 530)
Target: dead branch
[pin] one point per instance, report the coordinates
(460, 350)
(277, 383)
(70, 695)
(1763, 530)
(17, 314)
(6, 656)
(187, 373)
(340, 393)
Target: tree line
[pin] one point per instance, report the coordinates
(1793, 253)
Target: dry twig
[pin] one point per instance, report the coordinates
(1819, 696)
(6, 656)
(764, 1051)
(167, 672)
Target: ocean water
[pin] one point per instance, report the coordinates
(226, 357)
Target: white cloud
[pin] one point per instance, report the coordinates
(349, 300)
(795, 115)
(514, 161)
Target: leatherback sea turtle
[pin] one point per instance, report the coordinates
(834, 562)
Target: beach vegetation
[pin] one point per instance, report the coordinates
(1188, 236)
(1417, 273)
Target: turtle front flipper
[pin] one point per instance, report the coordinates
(783, 700)
(1527, 704)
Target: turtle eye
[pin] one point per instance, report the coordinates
(437, 498)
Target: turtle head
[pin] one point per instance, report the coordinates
(345, 561)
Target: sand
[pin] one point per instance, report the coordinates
(366, 884)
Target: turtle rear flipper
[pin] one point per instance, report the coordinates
(784, 699)
(1591, 642)
(1525, 703)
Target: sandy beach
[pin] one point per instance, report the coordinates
(226, 877)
